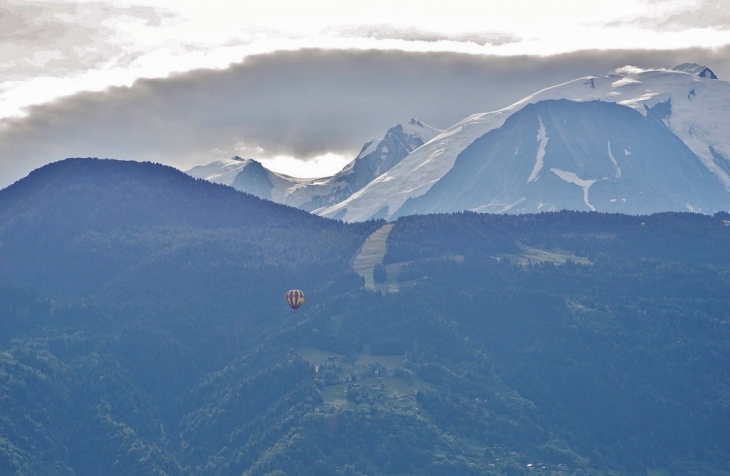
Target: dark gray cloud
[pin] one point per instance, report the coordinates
(302, 103)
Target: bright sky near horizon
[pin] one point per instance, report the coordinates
(63, 48)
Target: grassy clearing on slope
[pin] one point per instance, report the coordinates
(370, 254)
(399, 387)
(531, 255)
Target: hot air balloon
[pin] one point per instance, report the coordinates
(295, 298)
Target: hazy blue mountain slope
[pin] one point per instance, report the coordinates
(86, 226)
(556, 155)
(595, 345)
(582, 343)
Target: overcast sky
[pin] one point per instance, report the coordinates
(301, 85)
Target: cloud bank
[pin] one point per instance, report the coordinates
(301, 103)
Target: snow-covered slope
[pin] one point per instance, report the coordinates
(247, 175)
(220, 171)
(688, 99)
(376, 157)
(592, 155)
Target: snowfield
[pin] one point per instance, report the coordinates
(697, 111)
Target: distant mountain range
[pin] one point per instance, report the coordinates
(376, 157)
(634, 141)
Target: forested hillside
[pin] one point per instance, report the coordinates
(143, 330)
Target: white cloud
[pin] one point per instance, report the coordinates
(681, 15)
(59, 48)
(320, 166)
(51, 51)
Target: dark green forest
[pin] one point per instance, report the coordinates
(143, 330)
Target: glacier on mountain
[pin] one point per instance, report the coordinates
(524, 158)
(375, 158)
(692, 103)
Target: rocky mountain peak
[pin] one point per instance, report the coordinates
(696, 69)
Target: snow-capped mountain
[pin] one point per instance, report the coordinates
(560, 154)
(257, 180)
(634, 141)
(375, 158)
